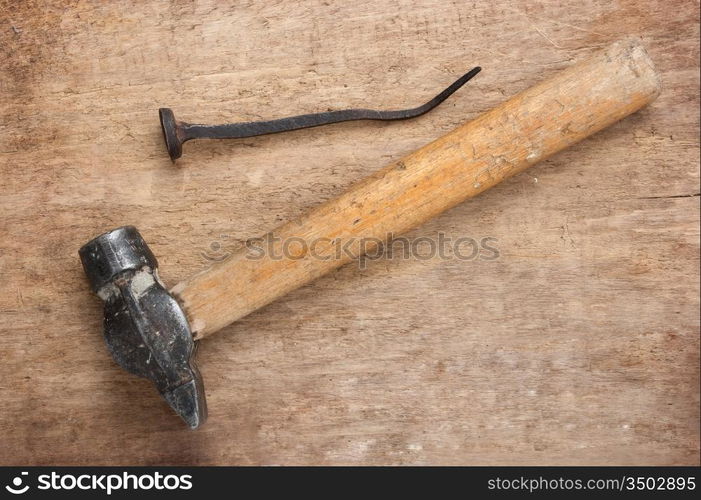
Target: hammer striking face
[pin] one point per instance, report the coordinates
(145, 328)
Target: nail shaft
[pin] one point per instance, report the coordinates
(176, 132)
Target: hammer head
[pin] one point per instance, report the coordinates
(146, 330)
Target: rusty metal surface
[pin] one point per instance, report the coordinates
(176, 132)
(146, 331)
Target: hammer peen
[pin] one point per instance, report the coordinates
(152, 332)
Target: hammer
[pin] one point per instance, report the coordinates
(152, 332)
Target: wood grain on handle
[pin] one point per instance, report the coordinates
(531, 126)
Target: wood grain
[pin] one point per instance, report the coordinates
(526, 129)
(578, 345)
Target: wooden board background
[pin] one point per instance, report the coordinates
(579, 345)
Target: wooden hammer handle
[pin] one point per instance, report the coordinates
(531, 126)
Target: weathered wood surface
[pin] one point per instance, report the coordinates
(578, 345)
(544, 119)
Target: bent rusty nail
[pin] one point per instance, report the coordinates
(176, 132)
